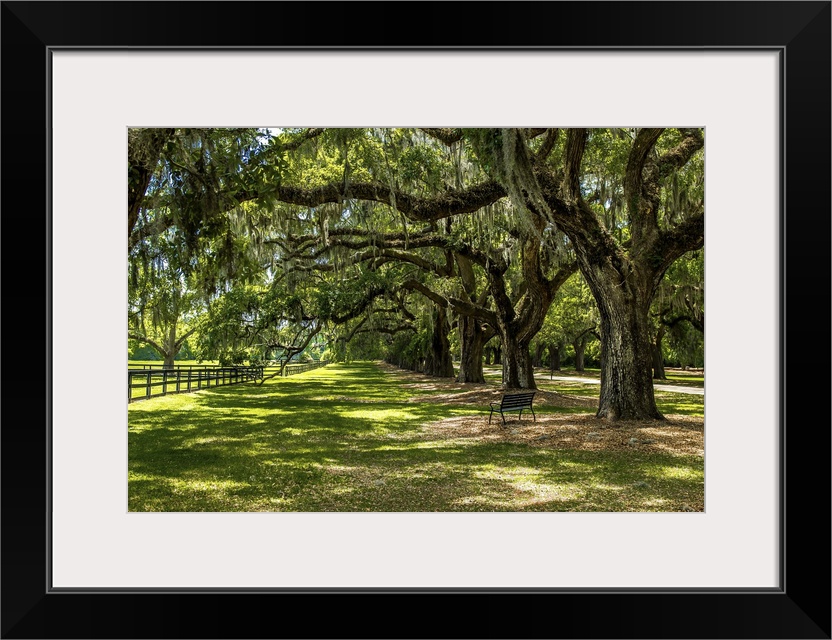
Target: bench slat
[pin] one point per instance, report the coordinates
(513, 402)
(516, 400)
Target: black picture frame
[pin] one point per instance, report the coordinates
(800, 608)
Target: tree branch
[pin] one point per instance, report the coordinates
(681, 153)
(142, 158)
(548, 144)
(135, 336)
(445, 136)
(563, 274)
(460, 306)
(181, 341)
(573, 154)
(299, 139)
(642, 206)
(381, 241)
(444, 205)
(688, 235)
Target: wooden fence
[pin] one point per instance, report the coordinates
(143, 383)
(150, 381)
(292, 369)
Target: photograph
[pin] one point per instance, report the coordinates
(416, 319)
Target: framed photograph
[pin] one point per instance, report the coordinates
(754, 76)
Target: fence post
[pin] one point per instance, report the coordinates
(147, 392)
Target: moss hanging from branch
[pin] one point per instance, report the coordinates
(504, 154)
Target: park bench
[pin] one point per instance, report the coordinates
(513, 402)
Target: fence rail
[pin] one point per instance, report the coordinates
(193, 367)
(143, 383)
(292, 369)
(151, 381)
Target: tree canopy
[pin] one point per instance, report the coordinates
(420, 245)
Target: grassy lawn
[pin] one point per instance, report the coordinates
(683, 377)
(178, 363)
(674, 376)
(361, 437)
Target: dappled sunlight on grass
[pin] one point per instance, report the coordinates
(682, 403)
(359, 438)
(450, 447)
(377, 415)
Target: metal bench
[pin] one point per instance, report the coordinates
(513, 402)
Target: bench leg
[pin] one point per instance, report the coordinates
(533, 416)
(489, 416)
(503, 416)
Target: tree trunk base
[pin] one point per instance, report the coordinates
(611, 415)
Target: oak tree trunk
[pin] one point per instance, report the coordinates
(626, 345)
(472, 341)
(580, 348)
(538, 354)
(554, 357)
(516, 335)
(438, 361)
(517, 364)
(170, 348)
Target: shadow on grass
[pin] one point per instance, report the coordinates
(345, 438)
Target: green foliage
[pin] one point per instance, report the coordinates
(218, 249)
(572, 314)
(679, 307)
(143, 352)
(684, 347)
(409, 350)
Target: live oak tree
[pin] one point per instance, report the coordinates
(186, 244)
(605, 192)
(163, 305)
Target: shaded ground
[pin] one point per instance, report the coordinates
(678, 434)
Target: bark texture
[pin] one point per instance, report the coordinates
(554, 357)
(626, 345)
(472, 338)
(438, 361)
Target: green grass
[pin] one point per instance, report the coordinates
(680, 403)
(348, 438)
(493, 373)
(159, 363)
(686, 379)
